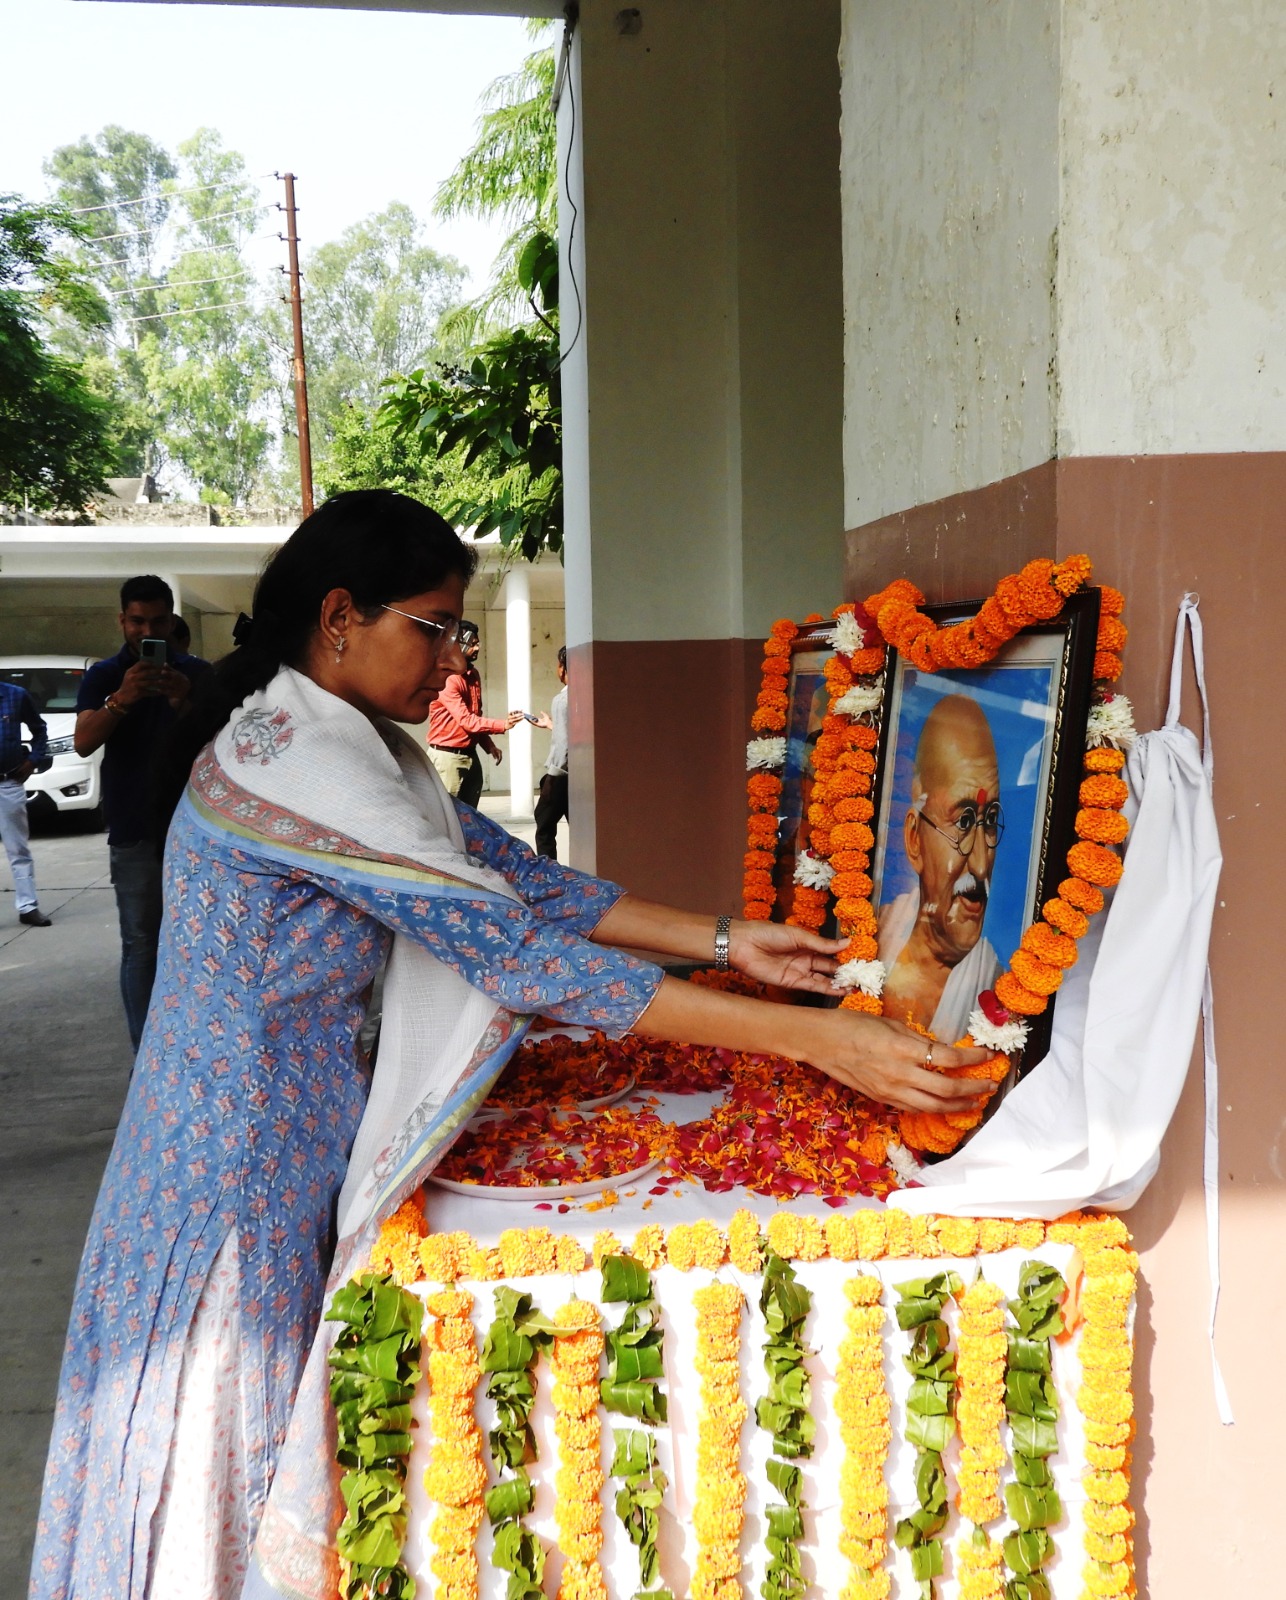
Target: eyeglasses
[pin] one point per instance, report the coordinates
(961, 836)
(447, 632)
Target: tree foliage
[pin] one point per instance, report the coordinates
(511, 173)
(54, 446)
(185, 355)
(500, 410)
(374, 300)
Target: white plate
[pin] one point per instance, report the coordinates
(542, 1191)
(485, 1113)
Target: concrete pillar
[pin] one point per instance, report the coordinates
(176, 587)
(517, 604)
(1062, 226)
(702, 405)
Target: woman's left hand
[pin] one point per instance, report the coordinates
(791, 958)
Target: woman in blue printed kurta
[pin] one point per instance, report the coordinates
(214, 1228)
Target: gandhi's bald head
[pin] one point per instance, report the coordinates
(956, 777)
(955, 735)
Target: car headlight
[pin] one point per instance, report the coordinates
(62, 747)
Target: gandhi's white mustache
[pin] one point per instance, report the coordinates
(970, 885)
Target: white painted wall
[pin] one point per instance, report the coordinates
(1064, 229)
(703, 395)
(1172, 288)
(950, 195)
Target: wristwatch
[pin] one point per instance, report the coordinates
(113, 705)
(721, 930)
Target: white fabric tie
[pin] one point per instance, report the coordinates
(1190, 618)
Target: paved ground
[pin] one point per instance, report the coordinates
(64, 1070)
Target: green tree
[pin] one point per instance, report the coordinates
(55, 449)
(118, 183)
(500, 410)
(364, 455)
(186, 354)
(213, 368)
(374, 299)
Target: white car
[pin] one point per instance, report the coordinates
(72, 783)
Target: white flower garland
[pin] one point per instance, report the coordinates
(868, 976)
(770, 752)
(861, 698)
(848, 635)
(812, 871)
(1003, 1037)
(902, 1161)
(1111, 722)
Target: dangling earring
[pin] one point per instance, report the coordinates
(339, 647)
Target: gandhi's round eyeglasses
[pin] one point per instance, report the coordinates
(960, 837)
(447, 632)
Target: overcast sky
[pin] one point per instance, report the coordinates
(364, 107)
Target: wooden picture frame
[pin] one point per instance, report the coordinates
(1033, 701)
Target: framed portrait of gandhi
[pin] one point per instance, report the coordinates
(975, 807)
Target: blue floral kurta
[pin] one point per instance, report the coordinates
(244, 1104)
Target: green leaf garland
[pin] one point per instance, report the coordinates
(1031, 1402)
(930, 1420)
(632, 1388)
(783, 1411)
(512, 1347)
(375, 1365)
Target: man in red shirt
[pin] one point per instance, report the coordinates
(457, 726)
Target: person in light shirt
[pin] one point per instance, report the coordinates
(931, 938)
(551, 805)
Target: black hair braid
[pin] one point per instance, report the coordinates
(380, 546)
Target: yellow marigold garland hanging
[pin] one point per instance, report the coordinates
(862, 1406)
(576, 1359)
(1107, 1406)
(980, 1413)
(719, 1511)
(456, 1476)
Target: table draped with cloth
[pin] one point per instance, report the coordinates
(255, 1156)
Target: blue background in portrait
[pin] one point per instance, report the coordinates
(1020, 735)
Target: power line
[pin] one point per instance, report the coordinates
(166, 194)
(181, 283)
(133, 233)
(191, 250)
(193, 311)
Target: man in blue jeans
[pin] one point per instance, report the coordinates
(126, 704)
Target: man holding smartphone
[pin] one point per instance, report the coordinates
(126, 704)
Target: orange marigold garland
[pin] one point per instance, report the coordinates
(456, 1476)
(862, 1406)
(765, 757)
(841, 810)
(719, 1511)
(1036, 594)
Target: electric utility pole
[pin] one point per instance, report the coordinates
(297, 319)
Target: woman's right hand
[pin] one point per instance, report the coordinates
(884, 1060)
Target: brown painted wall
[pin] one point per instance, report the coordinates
(1156, 527)
(664, 754)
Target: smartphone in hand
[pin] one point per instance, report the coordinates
(154, 651)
